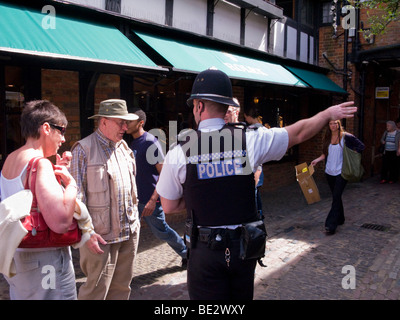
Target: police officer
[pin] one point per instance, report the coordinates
(210, 178)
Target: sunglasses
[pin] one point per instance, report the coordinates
(61, 129)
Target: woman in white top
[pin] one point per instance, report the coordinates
(43, 273)
(332, 151)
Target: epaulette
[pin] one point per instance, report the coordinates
(241, 125)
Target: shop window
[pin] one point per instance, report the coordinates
(277, 109)
(327, 16)
(276, 112)
(14, 99)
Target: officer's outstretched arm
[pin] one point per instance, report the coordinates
(305, 129)
(172, 206)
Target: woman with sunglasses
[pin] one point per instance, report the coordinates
(42, 272)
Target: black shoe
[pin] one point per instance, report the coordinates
(329, 232)
(184, 263)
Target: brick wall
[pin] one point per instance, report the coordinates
(62, 88)
(390, 36)
(107, 87)
(278, 174)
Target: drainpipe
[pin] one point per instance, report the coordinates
(346, 45)
(362, 99)
(355, 50)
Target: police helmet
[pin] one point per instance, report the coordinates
(213, 85)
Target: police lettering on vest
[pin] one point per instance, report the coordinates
(214, 157)
(224, 168)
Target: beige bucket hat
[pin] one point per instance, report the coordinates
(115, 108)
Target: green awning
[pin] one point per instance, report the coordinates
(316, 80)
(21, 31)
(190, 58)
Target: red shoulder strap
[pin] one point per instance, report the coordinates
(32, 167)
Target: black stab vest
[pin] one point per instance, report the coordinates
(219, 186)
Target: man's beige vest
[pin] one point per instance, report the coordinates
(102, 190)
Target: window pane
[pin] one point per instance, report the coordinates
(327, 16)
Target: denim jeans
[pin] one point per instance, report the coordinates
(162, 230)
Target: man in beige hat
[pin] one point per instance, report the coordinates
(104, 168)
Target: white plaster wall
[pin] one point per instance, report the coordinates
(227, 22)
(190, 15)
(256, 32)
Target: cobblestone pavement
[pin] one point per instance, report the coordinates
(302, 262)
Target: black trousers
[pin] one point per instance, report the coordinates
(210, 278)
(336, 214)
(390, 164)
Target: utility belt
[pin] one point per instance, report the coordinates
(252, 237)
(218, 238)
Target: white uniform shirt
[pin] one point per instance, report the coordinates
(263, 145)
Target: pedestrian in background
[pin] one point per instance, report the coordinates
(43, 126)
(332, 151)
(149, 156)
(232, 114)
(391, 141)
(218, 204)
(253, 118)
(104, 167)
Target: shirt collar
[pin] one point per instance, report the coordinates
(211, 124)
(104, 140)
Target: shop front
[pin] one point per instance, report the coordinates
(70, 62)
(83, 61)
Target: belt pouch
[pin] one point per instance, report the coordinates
(218, 239)
(252, 240)
(191, 234)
